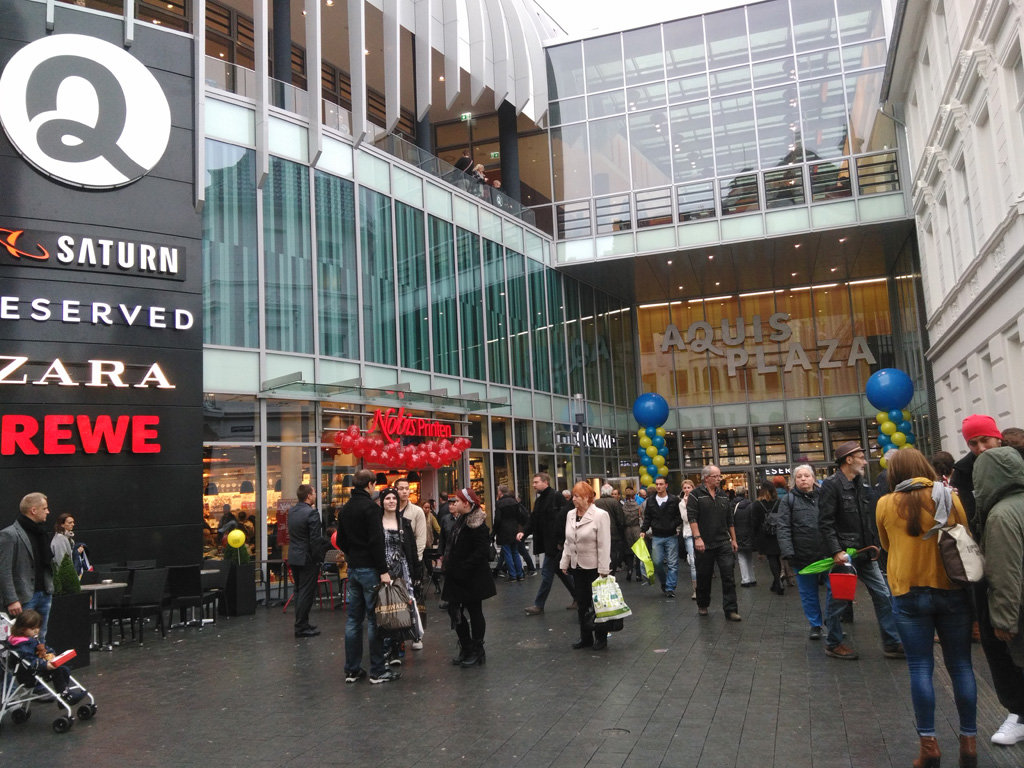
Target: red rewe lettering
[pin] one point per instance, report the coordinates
(16, 433)
(20, 434)
(104, 432)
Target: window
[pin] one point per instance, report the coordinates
(337, 276)
(379, 337)
(288, 258)
(412, 284)
(443, 296)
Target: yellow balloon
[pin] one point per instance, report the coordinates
(645, 442)
(659, 461)
(898, 438)
(905, 446)
(883, 463)
(646, 480)
(906, 415)
(652, 451)
(236, 538)
(889, 428)
(660, 431)
(641, 433)
(881, 417)
(663, 471)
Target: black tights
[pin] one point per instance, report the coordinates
(475, 626)
(775, 566)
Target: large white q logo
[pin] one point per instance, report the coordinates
(84, 111)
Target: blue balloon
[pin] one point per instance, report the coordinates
(884, 439)
(911, 438)
(652, 432)
(889, 389)
(905, 427)
(651, 410)
(641, 452)
(896, 415)
(659, 442)
(663, 451)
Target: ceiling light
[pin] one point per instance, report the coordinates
(833, 269)
(797, 245)
(793, 274)
(717, 284)
(680, 287)
(842, 239)
(440, 79)
(366, 51)
(330, 2)
(303, 11)
(711, 257)
(670, 261)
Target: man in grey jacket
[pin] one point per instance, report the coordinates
(303, 531)
(26, 578)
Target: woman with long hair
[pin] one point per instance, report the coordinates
(686, 536)
(924, 601)
(587, 551)
(467, 576)
(766, 521)
(63, 543)
(400, 553)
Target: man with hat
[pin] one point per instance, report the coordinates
(844, 520)
(981, 434)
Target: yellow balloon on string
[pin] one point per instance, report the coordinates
(660, 431)
(663, 471)
(236, 538)
(889, 428)
(898, 438)
(645, 442)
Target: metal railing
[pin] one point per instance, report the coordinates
(803, 184)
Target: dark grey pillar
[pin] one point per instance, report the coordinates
(508, 144)
(424, 139)
(281, 45)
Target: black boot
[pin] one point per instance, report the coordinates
(476, 654)
(465, 644)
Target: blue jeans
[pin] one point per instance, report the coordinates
(40, 603)
(361, 583)
(870, 576)
(919, 614)
(808, 585)
(548, 570)
(665, 554)
(512, 561)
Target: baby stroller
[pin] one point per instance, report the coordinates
(22, 687)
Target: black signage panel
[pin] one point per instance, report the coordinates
(100, 282)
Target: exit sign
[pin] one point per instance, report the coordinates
(466, 116)
(495, 155)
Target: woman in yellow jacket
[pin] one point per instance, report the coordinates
(587, 551)
(925, 601)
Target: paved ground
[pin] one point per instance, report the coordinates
(671, 690)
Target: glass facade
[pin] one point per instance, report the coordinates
(746, 109)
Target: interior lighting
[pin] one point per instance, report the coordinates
(711, 257)
(792, 274)
(842, 239)
(330, 3)
(670, 261)
(798, 245)
(440, 79)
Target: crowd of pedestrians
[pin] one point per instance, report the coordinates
(886, 534)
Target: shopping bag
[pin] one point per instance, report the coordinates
(640, 550)
(392, 607)
(417, 613)
(608, 600)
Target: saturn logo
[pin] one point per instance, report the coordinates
(84, 111)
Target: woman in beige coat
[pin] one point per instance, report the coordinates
(587, 551)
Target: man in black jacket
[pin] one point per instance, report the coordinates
(617, 518)
(844, 519)
(661, 522)
(361, 538)
(547, 524)
(303, 530)
(710, 512)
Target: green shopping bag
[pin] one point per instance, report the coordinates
(640, 550)
(609, 604)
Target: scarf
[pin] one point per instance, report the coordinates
(38, 535)
(942, 498)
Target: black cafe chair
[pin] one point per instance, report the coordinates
(146, 599)
(215, 587)
(185, 590)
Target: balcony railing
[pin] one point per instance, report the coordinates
(435, 166)
(750, 192)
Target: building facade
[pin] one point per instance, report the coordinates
(957, 78)
(712, 208)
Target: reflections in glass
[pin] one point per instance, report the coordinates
(603, 59)
(337, 276)
(565, 70)
(379, 338)
(643, 55)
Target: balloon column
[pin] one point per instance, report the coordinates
(890, 391)
(651, 412)
(414, 456)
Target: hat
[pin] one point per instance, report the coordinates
(980, 425)
(847, 448)
(467, 495)
(389, 492)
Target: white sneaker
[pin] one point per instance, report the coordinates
(417, 645)
(1010, 732)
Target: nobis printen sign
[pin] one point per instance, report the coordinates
(100, 307)
(735, 348)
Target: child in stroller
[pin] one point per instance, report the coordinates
(30, 675)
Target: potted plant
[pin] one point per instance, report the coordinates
(240, 594)
(69, 625)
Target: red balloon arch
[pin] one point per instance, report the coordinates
(417, 456)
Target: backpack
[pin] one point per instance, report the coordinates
(770, 523)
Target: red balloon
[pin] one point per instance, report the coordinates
(373, 455)
(346, 444)
(430, 447)
(445, 455)
(334, 540)
(338, 436)
(433, 458)
(353, 431)
(446, 443)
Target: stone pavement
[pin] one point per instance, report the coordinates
(672, 690)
